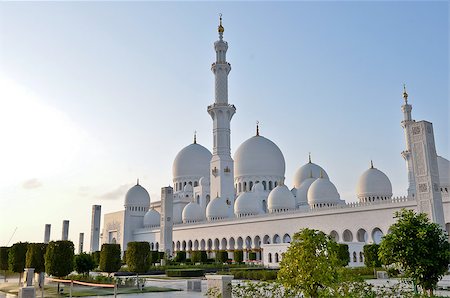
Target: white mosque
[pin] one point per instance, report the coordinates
(222, 203)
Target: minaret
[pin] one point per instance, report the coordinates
(221, 112)
(407, 120)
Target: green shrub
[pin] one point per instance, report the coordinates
(84, 263)
(199, 256)
(154, 257)
(17, 257)
(371, 258)
(138, 256)
(238, 256)
(343, 254)
(110, 260)
(221, 256)
(96, 256)
(185, 272)
(180, 256)
(35, 257)
(254, 273)
(252, 256)
(59, 258)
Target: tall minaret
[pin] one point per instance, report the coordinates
(407, 120)
(221, 113)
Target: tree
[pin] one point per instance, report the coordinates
(238, 256)
(154, 257)
(4, 264)
(221, 256)
(420, 248)
(35, 257)
(343, 254)
(138, 257)
(180, 256)
(110, 258)
(17, 257)
(199, 256)
(59, 258)
(96, 257)
(371, 258)
(84, 263)
(310, 264)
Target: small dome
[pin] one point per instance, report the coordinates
(444, 171)
(259, 156)
(217, 209)
(258, 187)
(309, 170)
(152, 218)
(188, 188)
(373, 184)
(204, 181)
(192, 212)
(192, 161)
(246, 204)
(280, 199)
(323, 193)
(137, 196)
(302, 192)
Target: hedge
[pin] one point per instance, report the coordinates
(258, 274)
(110, 260)
(180, 256)
(138, 256)
(252, 256)
(221, 256)
(238, 256)
(185, 272)
(199, 256)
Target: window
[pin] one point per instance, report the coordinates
(354, 257)
(276, 258)
(270, 258)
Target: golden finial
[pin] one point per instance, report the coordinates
(257, 128)
(137, 183)
(371, 164)
(220, 29)
(405, 94)
(195, 137)
(309, 157)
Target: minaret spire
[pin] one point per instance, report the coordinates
(405, 94)
(221, 112)
(309, 157)
(257, 128)
(371, 164)
(406, 122)
(195, 137)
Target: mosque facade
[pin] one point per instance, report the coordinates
(222, 203)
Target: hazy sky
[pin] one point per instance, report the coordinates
(97, 94)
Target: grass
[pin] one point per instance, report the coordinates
(50, 290)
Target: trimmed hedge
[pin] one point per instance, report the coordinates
(180, 257)
(221, 256)
(138, 256)
(255, 274)
(185, 272)
(238, 256)
(252, 256)
(343, 254)
(110, 260)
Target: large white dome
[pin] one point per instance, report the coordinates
(152, 218)
(302, 192)
(192, 212)
(192, 161)
(217, 209)
(373, 185)
(309, 170)
(137, 196)
(259, 156)
(323, 193)
(247, 204)
(280, 199)
(444, 171)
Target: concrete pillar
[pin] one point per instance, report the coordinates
(47, 233)
(95, 227)
(65, 230)
(80, 243)
(219, 284)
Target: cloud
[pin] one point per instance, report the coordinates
(31, 184)
(118, 193)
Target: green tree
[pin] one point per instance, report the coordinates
(4, 264)
(310, 264)
(96, 257)
(35, 257)
(343, 254)
(138, 257)
(252, 256)
(180, 256)
(16, 258)
(84, 263)
(110, 260)
(417, 246)
(238, 256)
(199, 256)
(59, 258)
(221, 256)
(154, 257)
(371, 258)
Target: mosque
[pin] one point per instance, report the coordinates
(222, 203)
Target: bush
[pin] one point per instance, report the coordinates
(180, 256)
(238, 256)
(138, 257)
(185, 272)
(35, 257)
(371, 258)
(84, 263)
(221, 256)
(96, 257)
(199, 256)
(154, 257)
(110, 260)
(17, 257)
(59, 258)
(254, 273)
(252, 256)
(343, 254)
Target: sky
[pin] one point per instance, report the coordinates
(94, 95)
